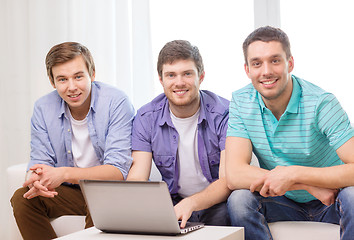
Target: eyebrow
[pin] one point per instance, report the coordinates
(258, 58)
(63, 76)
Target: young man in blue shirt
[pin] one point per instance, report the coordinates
(183, 130)
(302, 138)
(82, 130)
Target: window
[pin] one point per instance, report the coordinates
(321, 35)
(217, 28)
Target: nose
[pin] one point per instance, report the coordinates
(267, 69)
(71, 85)
(179, 80)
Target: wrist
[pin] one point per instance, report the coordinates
(295, 174)
(66, 174)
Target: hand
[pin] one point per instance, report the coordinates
(325, 195)
(35, 188)
(39, 190)
(184, 210)
(49, 177)
(274, 183)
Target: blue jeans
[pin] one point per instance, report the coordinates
(254, 212)
(216, 215)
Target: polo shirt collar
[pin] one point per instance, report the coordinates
(293, 105)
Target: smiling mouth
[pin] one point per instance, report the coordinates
(74, 96)
(180, 92)
(269, 82)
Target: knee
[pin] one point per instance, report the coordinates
(241, 202)
(18, 202)
(345, 199)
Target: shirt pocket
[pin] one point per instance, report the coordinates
(214, 162)
(166, 166)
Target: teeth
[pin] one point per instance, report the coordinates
(269, 82)
(73, 96)
(180, 92)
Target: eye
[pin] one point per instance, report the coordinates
(169, 75)
(78, 77)
(276, 61)
(61, 79)
(256, 64)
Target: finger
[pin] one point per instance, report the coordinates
(39, 186)
(264, 191)
(47, 194)
(33, 177)
(35, 167)
(183, 222)
(257, 184)
(39, 171)
(29, 192)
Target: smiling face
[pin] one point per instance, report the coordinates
(73, 84)
(180, 81)
(269, 69)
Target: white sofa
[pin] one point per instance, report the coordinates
(68, 224)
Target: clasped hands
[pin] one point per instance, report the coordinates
(42, 181)
(279, 180)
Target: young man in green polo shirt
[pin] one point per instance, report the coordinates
(302, 138)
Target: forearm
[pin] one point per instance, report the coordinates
(103, 172)
(215, 193)
(136, 173)
(329, 177)
(241, 177)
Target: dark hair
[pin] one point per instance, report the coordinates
(67, 51)
(179, 50)
(267, 34)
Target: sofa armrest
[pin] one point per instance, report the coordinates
(15, 177)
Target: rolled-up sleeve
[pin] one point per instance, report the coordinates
(118, 136)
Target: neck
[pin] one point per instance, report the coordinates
(278, 105)
(185, 111)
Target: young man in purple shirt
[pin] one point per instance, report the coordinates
(184, 131)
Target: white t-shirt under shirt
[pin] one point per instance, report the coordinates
(191, 177)
(82, 149)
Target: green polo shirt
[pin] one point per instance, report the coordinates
(312, 128)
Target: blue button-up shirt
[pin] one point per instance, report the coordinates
(153, 131)
(109, 124)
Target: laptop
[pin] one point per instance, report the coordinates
(132, 207)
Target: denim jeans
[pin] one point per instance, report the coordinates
(254, 212)
(216, 215)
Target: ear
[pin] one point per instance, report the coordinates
(93, 76)
(52, 83)
(161, 81)
(247, 70)
(290, 64)
(201, 78)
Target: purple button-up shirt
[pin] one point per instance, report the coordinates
(153, 131)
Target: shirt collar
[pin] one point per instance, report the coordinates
(165, 117)
(293, 105)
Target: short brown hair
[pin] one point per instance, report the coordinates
(267, 34)
(67, 51)
(179, 50)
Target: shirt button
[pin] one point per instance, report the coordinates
(69, 151)
(174, 136)
(69, 130)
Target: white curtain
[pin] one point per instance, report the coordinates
(117, 32)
